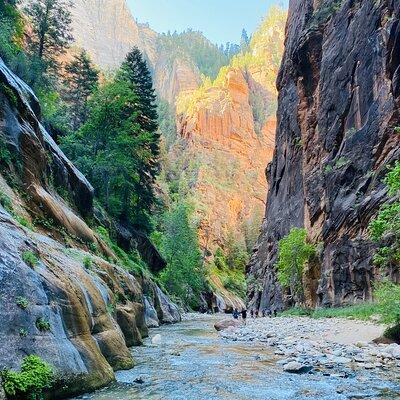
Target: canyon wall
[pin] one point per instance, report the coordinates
(339, 88)
(108, 31)
(230, 158)
(64, 294)
(229, 128)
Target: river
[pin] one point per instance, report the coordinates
(193, 362)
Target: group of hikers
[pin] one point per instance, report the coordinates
(253, 313)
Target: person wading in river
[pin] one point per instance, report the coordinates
(244, 316)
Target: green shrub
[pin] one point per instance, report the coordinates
(24, 222)
(22, 302)
(30, 259)
(23, 332)
(387, 295)
(294, 252)
(87, 262)
(6, 203)
(384, 229)
(35, 376)
(43, 324)
(341, 162)
(236, 284)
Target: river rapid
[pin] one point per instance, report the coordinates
(190, 361)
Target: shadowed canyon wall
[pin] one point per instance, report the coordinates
(339, 88)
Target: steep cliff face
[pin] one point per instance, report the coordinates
(229, 127)
(63, 294)
(230, 157)
(338, 106)
(108, 31)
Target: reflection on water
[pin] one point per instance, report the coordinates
(192, 362)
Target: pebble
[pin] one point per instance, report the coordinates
(301, 353)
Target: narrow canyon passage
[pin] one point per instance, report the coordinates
(189, 360)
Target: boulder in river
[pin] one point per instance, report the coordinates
(226, 323)
(296, 368)
(156, 340)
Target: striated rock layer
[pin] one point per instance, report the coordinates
(339, 88)
(230, 158)
(71, 307)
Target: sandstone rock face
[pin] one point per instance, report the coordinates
(90, 313)
(108, 31)
(338, 106)
(173, 77)
(230, 155)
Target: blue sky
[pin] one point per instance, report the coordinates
(220, 20)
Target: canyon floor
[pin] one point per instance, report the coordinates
(190, 360)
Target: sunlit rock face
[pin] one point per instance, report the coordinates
(338, 106)
(80, 317)
(229, 126)
(231, 157)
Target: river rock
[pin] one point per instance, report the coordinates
(226, 323)
(156, 340)
(296, 367)
(394, 350)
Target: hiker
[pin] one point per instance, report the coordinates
(275, 313)
(252, 313)
(244, 316)
(263, 312)
(256, 314)
(235, 313)
(269, 313)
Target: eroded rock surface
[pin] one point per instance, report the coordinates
(71, 307)
(338, 107)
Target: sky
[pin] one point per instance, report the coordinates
(220, 20)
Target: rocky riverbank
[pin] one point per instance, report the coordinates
(330, 346)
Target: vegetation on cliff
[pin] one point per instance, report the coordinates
(262, 53)
(294, 252)
(29, 383)
(385, 231)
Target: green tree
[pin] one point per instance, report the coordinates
(294, 252)
(112, 150)
(244, 41)
(51, 25)
(184, 276)
(81, 81)
(385, 228)
(134, 69)
(11, 30)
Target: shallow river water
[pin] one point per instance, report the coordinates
(193, 362)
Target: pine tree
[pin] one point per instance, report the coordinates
(51, 25)
(81, 81)
(135, 70)
(244, 41)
